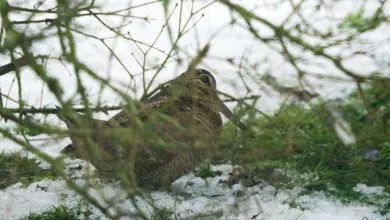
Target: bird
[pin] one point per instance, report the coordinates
(153, 143)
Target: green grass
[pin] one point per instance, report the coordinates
(204, 171)
(78, 211)
(81, 210)
(295, 139)
(162, 213)
(57, 212)
(304, 140)
(25, 130)
(15, 168)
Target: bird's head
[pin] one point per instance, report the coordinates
(200, 86)
(197, 86)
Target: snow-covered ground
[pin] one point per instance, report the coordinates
(202, 198)
(190, 196)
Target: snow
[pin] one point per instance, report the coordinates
(189, 196)
(192, 196)
(373, 190)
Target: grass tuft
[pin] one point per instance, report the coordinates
(15, 168)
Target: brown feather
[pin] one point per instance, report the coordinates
(118, 144)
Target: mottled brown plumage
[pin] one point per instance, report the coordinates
(120, 144)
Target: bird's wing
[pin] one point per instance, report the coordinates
(80, 128)
(158, 169)
(124, 118)
(73, 119)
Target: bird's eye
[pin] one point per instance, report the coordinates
(205, 79)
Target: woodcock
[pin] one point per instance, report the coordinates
(182, 118)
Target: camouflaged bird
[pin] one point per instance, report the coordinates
(118, 145)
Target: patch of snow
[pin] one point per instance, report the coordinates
(190, 197)
(369, 190)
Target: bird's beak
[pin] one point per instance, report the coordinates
(229, 114)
